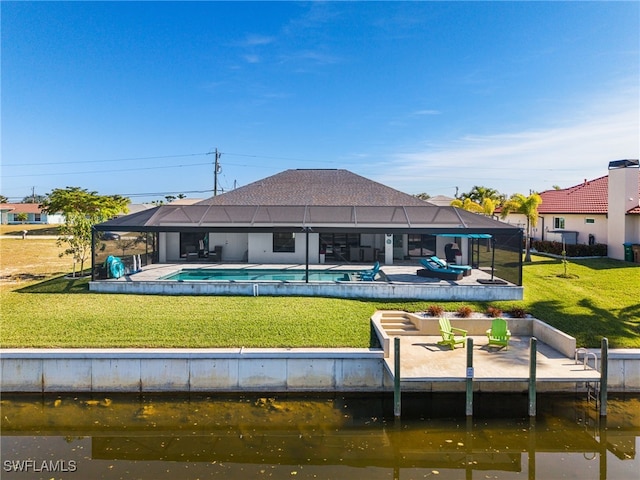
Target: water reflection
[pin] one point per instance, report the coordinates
(320, 437)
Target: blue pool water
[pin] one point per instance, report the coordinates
(208, 274)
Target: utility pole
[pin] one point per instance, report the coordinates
(216, 170)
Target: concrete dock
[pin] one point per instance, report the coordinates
(422, 359)
(425, 365)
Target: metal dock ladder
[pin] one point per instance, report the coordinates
(593, 387)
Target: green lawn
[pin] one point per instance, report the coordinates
(60, 312)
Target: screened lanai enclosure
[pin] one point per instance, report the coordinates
(311, 235)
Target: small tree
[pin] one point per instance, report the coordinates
(3, 199)
(125, 244)
(527, 206)
(82, 210)
(21, 217)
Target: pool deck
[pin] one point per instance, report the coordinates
(395, 281)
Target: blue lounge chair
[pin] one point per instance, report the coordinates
(465, 269)
(370, 275)
(432, 269)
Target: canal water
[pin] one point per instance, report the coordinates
(330, 437)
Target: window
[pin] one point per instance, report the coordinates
(37, 217)
(589, 220)
(284, 242)
(422, 245)
(337, 246)
(558, 223)
(189, 242)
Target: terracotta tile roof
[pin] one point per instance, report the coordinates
(590, 196)
(20, 207)
(587, 197)
(315, 187)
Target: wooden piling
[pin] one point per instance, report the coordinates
(533, 351)
(469, 404)
(396, 378)
(604, 374)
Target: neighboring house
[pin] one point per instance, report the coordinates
(136, 208)
(11, 212)
(605, 210)
(315, 216)
(185, 201)
(441, 200)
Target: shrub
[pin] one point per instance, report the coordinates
(435, 310)
(518, 312)
(494, 312)
(464, 311)
(579, 250)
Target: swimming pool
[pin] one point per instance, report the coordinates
(247, 274)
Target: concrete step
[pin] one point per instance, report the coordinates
(394, 319)
(398, 326)
(407, 325)
(402, 332)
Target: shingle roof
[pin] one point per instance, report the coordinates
(315, 188)
(324, 200)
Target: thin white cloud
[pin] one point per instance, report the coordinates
(252, 58)
(427, 112)
(534, 159)
(312, 57)
(256, 40)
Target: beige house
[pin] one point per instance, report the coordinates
(316, 216)
(605, 210)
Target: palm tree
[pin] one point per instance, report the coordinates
(479, 193)
(527, 206)
(486, 207)
(468, 205)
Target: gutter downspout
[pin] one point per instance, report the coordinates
(93, 253)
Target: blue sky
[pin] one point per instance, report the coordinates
(131, 98)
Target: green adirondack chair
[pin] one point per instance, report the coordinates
(451, 336)
(499, 334)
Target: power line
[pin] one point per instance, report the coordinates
(105, 171)
(155, 194)
(279, 158)
(149, 194)
(106, 160)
